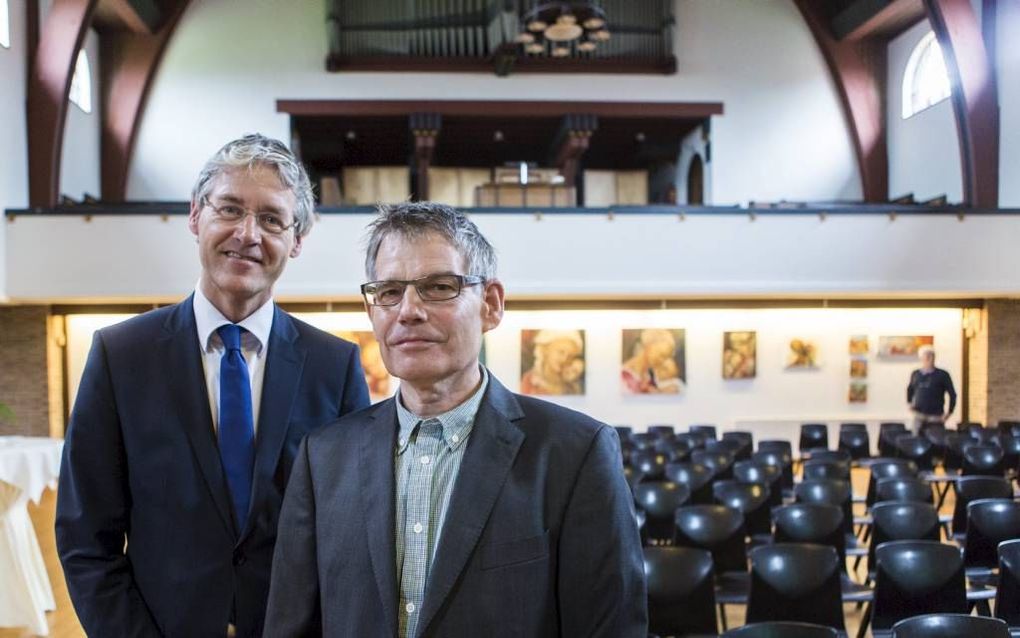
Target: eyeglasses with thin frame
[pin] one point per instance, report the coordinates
(442, 287)
(231, 213)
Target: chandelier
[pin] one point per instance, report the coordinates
(551, 27)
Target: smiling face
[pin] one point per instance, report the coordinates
(432, 343)
(241, 262)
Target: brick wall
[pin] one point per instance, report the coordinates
(24, 382)
(1003, 360)
(976, 320)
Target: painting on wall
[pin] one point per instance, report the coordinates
(653, 361)
(740, 354)
(858, 368)
(802, 354)
(552, 362)
(858, 345)
(858, 392)
(380, 383)
(896, 347)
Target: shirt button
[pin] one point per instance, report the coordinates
(409, 608)
(455, 438)
(425, 460)
(418, 528)
(401, 442)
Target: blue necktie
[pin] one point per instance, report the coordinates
(237, 427)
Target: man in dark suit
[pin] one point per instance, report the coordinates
(188, 419)
(457, 508)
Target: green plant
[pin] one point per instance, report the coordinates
(6, 414)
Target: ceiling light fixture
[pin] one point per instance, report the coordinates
(553, 27)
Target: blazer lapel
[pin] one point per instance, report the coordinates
(491, 451)
(378, 490)
(182, 353)
(286, 359)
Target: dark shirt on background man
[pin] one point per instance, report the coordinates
(927, 391)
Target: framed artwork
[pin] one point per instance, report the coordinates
(380, 383)
(858, 345)
(858, 392)
(552, 362)
(802, 354)
(653, 361)
(894, 347)
(740, 354)
(858, 368)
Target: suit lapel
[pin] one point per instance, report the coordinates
(491, 451)
(284, 363)
(182, 353)
(378, 489)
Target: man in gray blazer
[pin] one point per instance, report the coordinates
(456, 508)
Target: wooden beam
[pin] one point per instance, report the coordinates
(49, 84)
(130, 62)
(137, 16)
(570, 144)
(425, 129)
(858, 71)
(884, 19)
(496, 109)
(974, 97)
(412, 64)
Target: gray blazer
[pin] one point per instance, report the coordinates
(539, 538)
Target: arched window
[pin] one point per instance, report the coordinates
(5, 25)
(925, 81)
(81, 83)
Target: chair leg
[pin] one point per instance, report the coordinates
(865, 620)
(722, 616)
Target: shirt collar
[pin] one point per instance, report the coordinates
(208, 318)
(456, 422)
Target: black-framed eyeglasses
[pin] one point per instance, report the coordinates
(231, 213)
(389, 292)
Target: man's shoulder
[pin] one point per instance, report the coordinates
(555, 422)
(143, 327)
(347, 428)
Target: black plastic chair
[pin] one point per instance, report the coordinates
(780, 459)
(650, 463)
(901, 520)
(986, 436)
(797, 582)
(887, 433)
(659, 501)
(1007, 594)
(936, 433)
(729, 446)
(813, 435)
(693, 441)
(781, 445)
(816, 523)
(827, 455)
(887, 468)
(1010, 451)
(955, 442)
(720, 462)
(681, 591)
(780, 629)
(822, 469)
(746, 440)
(752, 499)
(1011, 427)
(830, 492)
(917, 449)
(856, 442)
(990, 521)
(972, 488)
(662, 431)
(716, 528)
(758, 472)
(903, 489)
(950, 626)
(675, 451)
(915, 578)
(623, 431)
(697, 477)
(969, 426)
(708, 431)
(643, 440)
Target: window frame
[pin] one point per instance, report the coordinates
(5, 24)
(80, 93)
(922, 68)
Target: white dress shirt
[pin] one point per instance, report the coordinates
(254, 344)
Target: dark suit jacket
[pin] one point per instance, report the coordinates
(141, 462)
(539, 537)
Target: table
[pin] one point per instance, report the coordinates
(28, 465)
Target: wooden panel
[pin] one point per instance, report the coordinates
(444, 185)
(599, 188)
(631, 188)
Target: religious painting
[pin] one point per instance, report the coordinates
(895, 347)
(652, 361)
(740, 354)
(802, 354)
(858, 368)
(858, 392)
(380, 384)
(552, 362)
(858, 345)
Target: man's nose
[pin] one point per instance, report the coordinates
(411, 306)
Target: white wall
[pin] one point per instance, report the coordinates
(146, 258)
(924, 156)
(782, 136)
(1008, 68)
(80, 159)
(14, 168)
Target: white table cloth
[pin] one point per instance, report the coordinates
(28, 465)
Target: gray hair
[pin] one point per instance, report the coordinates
(255, 150)
(414, 220)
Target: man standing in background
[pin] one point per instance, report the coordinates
(927, 390)
(188, 417)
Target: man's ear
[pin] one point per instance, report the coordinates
(296, 249)
(493, 304)
(193, 213)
